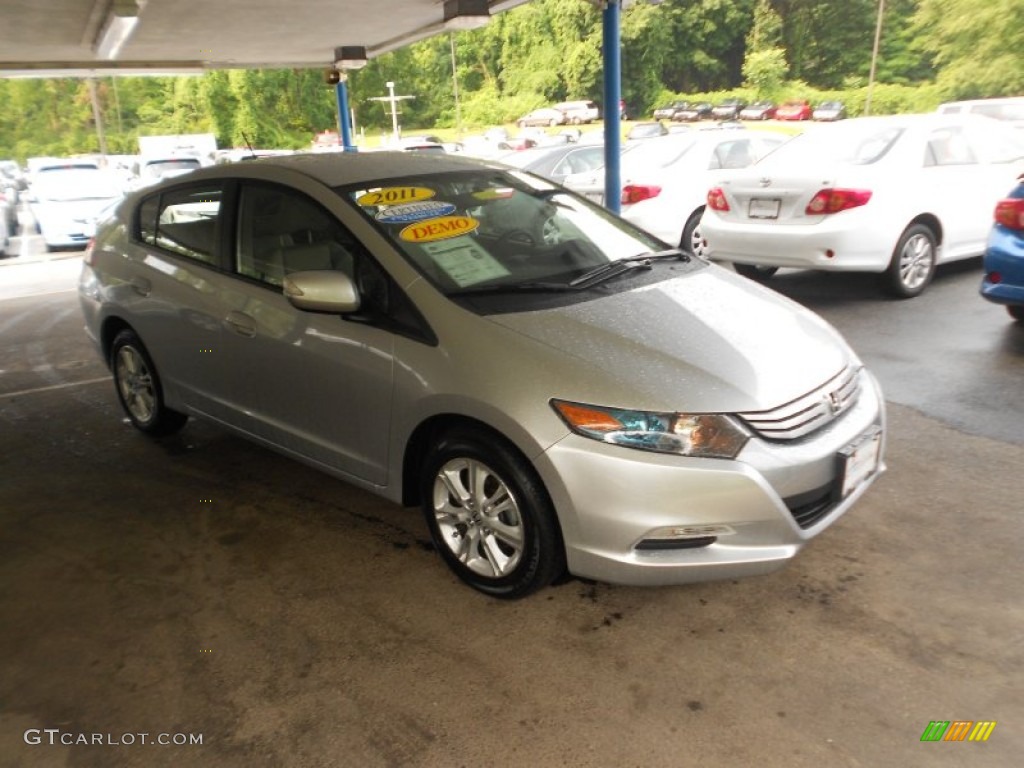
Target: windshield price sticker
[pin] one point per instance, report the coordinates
(411, 212)
(441, 228)
(464, 261)
(395, 196)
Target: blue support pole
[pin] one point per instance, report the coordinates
(341, 91)
(612, 96)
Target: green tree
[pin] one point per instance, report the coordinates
(978, 48)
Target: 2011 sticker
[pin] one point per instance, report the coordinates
(395, 196)
(410, 212)
(439, 229)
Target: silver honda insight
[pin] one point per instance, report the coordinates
(557, 389)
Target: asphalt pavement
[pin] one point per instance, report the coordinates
(204, 587)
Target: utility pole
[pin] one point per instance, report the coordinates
(874, 57)
(393, 101)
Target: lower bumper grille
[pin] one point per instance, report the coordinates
(808, 508)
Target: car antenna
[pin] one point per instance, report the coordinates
(248, 146)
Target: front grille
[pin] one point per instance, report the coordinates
(808, 508)
(811, 411)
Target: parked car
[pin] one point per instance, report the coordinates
(665, 180)
(555, 163)
(552, 387)
(893, 195)
(578, 112)
(150, 170)
(543, 116)
(668, 111)
(66, 203)
(1009, 109)
(646, 130)
(829, 111)
(1004, 257)
(728, 110)
(693, 112)
(6, 231)
(794, 110)
(759, 110)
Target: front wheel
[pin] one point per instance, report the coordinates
(139, 389)
(755, 271)
(490, 516)
(913, 262)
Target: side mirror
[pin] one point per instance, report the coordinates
(322, 291)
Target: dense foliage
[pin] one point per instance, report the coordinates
(548, 51)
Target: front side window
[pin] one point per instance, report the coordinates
(183, 221)
(492, 230)
(281, 231)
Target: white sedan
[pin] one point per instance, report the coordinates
(665, 179)
(893, 195)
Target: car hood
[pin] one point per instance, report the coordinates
(708, 342)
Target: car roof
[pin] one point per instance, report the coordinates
(341, 168)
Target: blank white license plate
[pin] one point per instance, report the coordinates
(859, 460)
(763, 208)
(595, 197)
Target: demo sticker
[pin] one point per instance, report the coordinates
(439, 229)
(410, 212)
(395, 196)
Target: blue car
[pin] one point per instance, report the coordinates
(1004, 257)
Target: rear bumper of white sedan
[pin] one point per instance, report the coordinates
(843, 242)
(645, 519)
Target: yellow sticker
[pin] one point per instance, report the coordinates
(395, 196)
(438, 229)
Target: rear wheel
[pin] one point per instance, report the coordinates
(755, 271)
(1016, 312)
(692, 240)
(138, 387)
(913, 262)
(489, 515)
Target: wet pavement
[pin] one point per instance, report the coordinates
(202, 586)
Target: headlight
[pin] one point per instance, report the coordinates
(710, 435)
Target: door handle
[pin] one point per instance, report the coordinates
(141, 286)
(241, 323)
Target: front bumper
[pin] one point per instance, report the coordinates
(611, 499)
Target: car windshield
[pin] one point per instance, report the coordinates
(171, 167)
(849, 144)
(75, 184)
(657, 154)
(497, 230)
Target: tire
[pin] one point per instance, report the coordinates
(913, 262)
(755, 271)
(1016, 312)
(138, 387)
(552, 122)
(527, 553)
(691, 241)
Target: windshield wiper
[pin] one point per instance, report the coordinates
(534, 287)
(621, 266)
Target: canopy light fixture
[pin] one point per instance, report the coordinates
(117, 27)
(466, 14)
(350, 57)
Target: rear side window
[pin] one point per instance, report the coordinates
(183, 221)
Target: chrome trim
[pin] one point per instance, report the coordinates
(809, 412)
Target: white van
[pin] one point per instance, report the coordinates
(1009, 109)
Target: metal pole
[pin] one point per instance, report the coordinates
(455, 88)
(96, 115)
(341, 92)
(612, 96)
(874, 57)
(394, 112)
